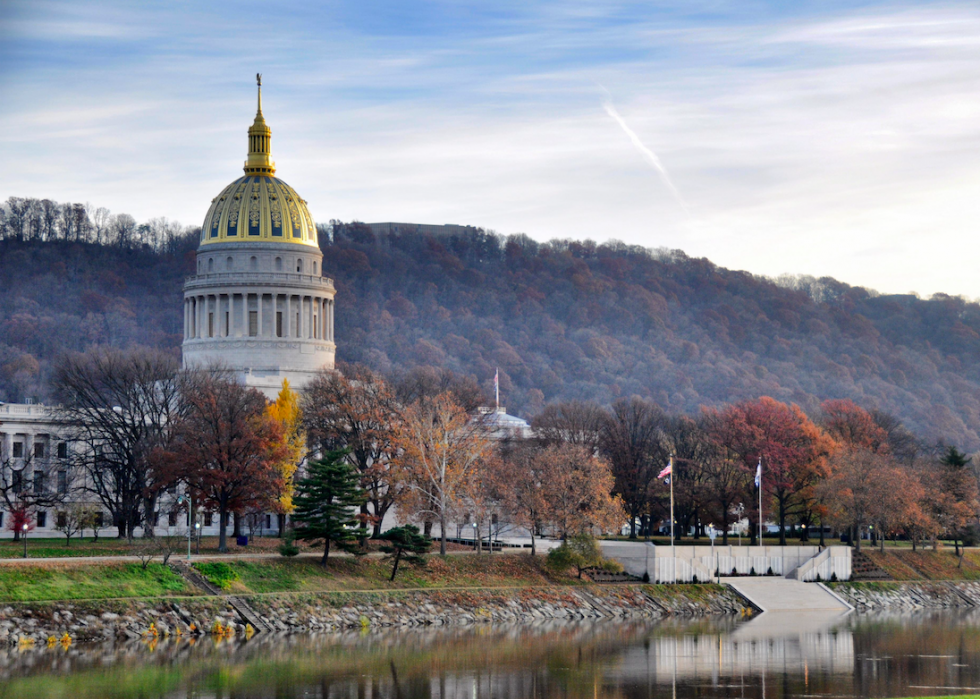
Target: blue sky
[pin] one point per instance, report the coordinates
(826, 138)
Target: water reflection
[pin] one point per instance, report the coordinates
(769, 657)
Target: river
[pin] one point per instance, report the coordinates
(768, 657)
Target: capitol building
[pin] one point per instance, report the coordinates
(258, 304)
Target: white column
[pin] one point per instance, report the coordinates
(330, 319)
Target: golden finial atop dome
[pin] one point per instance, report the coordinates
(259, 142)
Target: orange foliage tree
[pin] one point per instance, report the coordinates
(576, 487)
(439, 447)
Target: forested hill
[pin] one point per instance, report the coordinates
(561, 320)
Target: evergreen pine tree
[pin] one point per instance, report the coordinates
(325, 504)
(405, 544)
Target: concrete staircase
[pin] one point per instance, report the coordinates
(863, 568)
(774, 594)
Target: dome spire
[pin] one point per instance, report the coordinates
(259, 142)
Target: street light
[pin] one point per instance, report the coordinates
(24, 528)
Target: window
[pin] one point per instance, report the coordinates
(61, 519)
(210, 324)
(172, 519)
(42, 519)
(314, 326)
(297, 324)
(253, 263)
(314, 268)
(253, 323)
(1, 519)
(208, 519)
(278, 264)
(62, 450)
(38, 482)
(230, 263)
(278, 323)
(17, 481)
(39, 450)
(62, 482)
(299, 265)
(198, 266)
(227, 323)
(18, 450)
(268, 521)
(210, 264)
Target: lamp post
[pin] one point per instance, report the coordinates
(190, 514)
(712, 533)
(24, 529)
(476, 539)
(197, 535)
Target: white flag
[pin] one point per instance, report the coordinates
(758, 475)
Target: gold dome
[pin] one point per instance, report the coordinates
(259, 207)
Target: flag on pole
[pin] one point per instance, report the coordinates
(758, 475)
(667, 471)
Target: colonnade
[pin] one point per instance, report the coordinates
(258, 314)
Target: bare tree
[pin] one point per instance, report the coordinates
(120, 409)
(632, 441)
(574, 422)
(26, 485)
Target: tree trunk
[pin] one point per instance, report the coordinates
(857, 538)
(427, 528)
(281, 523)
(394, 569)
(533, 550)
(149, 506)
(222, 533)
(782, 523)
(724, 527)
(442, 533)
(881, 543)
(822, 544)
(326, 552)
(237, 529)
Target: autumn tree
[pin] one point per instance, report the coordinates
(849, 424)
(327, 500)
(354, 411)
(860, 486)
(286, 411)
(954, 499)
(227, 448)
(576, 490)
(120, 409)
(520, 476)
(694, 484)
(792, 448)
(633, 444)
(422, 382)
(439, 446)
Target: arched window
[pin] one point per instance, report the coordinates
(230, 263)
(314, 268)
(198, 266)
(278, 264)
(253, 263)
(210, 264)
(299, 266)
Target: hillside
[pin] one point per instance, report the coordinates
(561, 320)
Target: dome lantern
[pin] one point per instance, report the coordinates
(259, 142)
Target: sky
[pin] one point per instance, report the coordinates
(820, 138)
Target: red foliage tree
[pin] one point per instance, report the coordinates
(792, 448)
(227, 447)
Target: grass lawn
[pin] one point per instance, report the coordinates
(905, 564)
(36, 583)
(342, 574)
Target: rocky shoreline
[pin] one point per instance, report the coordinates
(909, 596)
(73, 622)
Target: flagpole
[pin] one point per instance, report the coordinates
(671, 463)
(760, 501)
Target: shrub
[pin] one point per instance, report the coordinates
(694, 579)
(818, 578)
(752, 572)
(581, 551)
(734, 571)
(769, 572)
(646, 577)
(288, 546)
(611, 566)
(833, 577)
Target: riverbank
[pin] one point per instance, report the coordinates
(100, 620)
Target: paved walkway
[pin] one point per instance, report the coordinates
(785, 595)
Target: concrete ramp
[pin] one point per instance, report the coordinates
(784, 595)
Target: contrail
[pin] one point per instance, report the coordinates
(650, 156)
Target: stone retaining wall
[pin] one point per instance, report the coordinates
(909, 595)
(298, 613)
